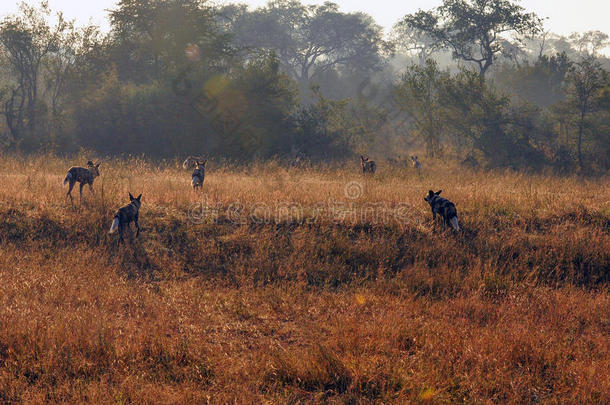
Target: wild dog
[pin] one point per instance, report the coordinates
(83, 175)
(445, 208)
(395, 161)
(367, 165)
(198, 175)
(470, 161)
(299, 160)
(125, 215)
(416, 164)
(191, 162)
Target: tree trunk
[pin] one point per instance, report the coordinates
(581, 125)
(484, 67)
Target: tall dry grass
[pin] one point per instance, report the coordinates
(282, 292)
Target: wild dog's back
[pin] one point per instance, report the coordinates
(198, 175)
(82, 175)
(79, 174)
(125, 215)
(445, 208)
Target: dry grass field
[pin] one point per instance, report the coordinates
(303, 285)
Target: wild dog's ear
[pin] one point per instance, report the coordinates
(98, 165)
(138, 197)
(438, 192)
(89, 163)
(430, 193)
(204, 162)
(131, 197)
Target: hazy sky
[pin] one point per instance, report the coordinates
(564, 16)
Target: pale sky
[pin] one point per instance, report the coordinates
(564, 16)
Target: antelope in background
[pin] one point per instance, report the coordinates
(367, 165)
(83, 175)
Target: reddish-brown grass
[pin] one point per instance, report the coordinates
(265, 306)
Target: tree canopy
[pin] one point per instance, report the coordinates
(310, 39)
(474, 29)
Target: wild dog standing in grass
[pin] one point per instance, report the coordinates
(445, 208)
(367, 165)
(198, 175)
(83, 175)
(397, 161)
(125, 215)
(416, 164)
(191, 162)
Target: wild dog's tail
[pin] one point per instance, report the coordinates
(114, 226)
(454, 223)
(67, 179)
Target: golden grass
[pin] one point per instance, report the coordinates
(329, 307)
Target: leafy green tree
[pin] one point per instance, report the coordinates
(310, 39)
(470, 114)
(540, 83)
(408, 39)
(255, 110)
(418, 94)
(320, 130)
(151, 39)
(474, 29)
(586, 79)
(590, 42)
(26, 40)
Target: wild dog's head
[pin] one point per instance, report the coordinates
(94, 168)
(432, 196)
(201, 165)
(414, 159)
(136, 200)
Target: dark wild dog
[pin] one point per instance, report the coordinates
(397, 161)
(125, 215)
(445, 208)
(368, 166)
(83, 175)
(198, 175)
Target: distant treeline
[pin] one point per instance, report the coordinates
(307, 83)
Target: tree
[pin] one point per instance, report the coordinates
(541, 83)
(409, 39)
(586, 79)
(26, 40)
(149, 37)
(418, 95)
(590, 42)
(473, 29)
(311, 39)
